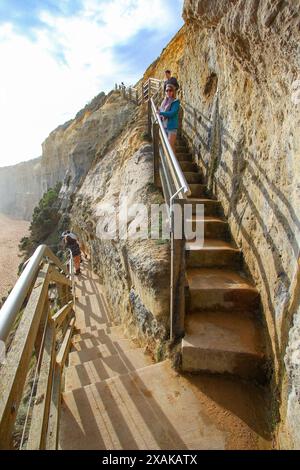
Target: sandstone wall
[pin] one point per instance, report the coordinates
(241, 117)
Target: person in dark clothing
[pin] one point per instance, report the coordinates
(73, 245)
(170, 81)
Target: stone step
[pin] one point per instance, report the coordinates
(97, 352)
(101, 369)
(198, 190)
(220, 289)
(214, 227)
(222, 342)
(156, 408)
(184, 156)
(188, 166)
(181, 148)
(212, 207)
(213, 253)
(192, 177)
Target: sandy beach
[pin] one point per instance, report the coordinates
(11, 232)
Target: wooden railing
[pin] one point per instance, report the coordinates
(142, 92)
(37, 324)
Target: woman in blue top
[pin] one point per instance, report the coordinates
(169, 110)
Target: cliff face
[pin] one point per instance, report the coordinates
(67, 155)
(20, 188)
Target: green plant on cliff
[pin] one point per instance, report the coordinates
(45, 224)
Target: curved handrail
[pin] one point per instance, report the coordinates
(14, 302)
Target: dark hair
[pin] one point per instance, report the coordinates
(167, 71)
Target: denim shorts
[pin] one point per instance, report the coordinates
(171, 132)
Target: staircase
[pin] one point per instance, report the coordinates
(115, 397)
(223, 331)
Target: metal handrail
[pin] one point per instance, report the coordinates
(181, 184)
(14, 302)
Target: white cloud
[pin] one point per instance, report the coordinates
(39, 90)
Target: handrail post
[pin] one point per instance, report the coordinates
(130, 94)
(155, 137)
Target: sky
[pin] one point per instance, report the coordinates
(56, 55)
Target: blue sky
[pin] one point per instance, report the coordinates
(56, 55)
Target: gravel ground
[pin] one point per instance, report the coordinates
(11, 232)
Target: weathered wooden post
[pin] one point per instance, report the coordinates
(130, 93)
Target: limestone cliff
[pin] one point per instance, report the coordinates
(67, 155)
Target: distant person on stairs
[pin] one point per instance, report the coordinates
(169, 111)
(170, 80)
(73, 245)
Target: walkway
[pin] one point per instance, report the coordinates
(117, 398)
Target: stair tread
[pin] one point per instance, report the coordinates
(211, 244)
(208, 218)
(223, 331)
(211, 278)
(101, 369)
(101, 351)
(203, 200)
(142, 409)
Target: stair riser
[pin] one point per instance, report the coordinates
(188, 166)
(215, 230)
(193, 178)
(198, 190)
(223, 299)
(213, 208)
(246, 366)
(212, 259)
(183, 157)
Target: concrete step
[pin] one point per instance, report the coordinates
(156, 408)
(184, 156)
(220, 289)
(222, 342)
(78, 356)
(101, 369)
(188, 166)
(212, 207)
(198, 190)
(193, 177)
(213, 254)
(214, 227)
(181, 148)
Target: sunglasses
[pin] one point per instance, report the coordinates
(168, 91)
